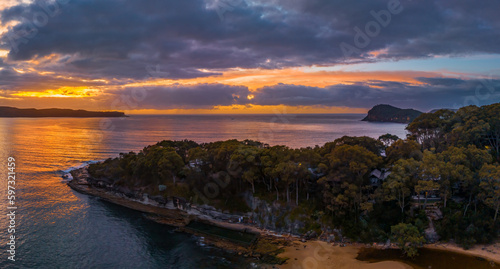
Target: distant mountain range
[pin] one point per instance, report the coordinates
(12, 112)
(388, 113)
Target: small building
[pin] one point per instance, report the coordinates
(196, 163)
(316, 174)
(377, 177)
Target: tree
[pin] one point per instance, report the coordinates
(388, 139)
(468, 129)
(397, 186)
(250, 177)
(492, 136)
(287, 172)
(243, 164)
(169, 165)
(490, 184)
(340, 198)
(434, 168)
(407, 238)
(430, 128)
(351, 164)
(270, 157)
(366, 142)
(479, 126)
(403, 149)
(458, 166)
(426, 186)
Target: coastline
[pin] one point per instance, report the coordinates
(265, 251)
(273, 250)
(319, 254)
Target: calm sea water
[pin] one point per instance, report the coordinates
(59, 228)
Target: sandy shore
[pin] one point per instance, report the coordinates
(489, 252)
(318, 255)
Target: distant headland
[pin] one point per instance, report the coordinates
(12, 112)
(388, 113)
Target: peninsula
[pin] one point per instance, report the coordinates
(12, 112)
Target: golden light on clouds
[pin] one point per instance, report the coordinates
(252, 109)
(258, 78)
(18, 70)
(64, 92)
(4, 27)
(3, 53)
(253, 79)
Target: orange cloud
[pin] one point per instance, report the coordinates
(252, 109)
(64, 92)
(251, 78)
(258, 78)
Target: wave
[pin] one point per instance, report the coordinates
(79, 166)
(66, 174)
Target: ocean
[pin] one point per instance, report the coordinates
(56, 227)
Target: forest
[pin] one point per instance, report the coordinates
(447, 165)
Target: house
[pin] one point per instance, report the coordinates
(377, 177)
(196, 163)
(316, 174)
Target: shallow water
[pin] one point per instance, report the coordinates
(428, 259)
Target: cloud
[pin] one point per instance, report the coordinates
(117, 39)
(202, 96)
(435, 93)
(111, 44)
(431, 93)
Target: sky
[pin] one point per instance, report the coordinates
(248, 56)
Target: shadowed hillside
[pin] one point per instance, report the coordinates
(55, 112)
(388, 113)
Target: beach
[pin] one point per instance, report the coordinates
(318, 254)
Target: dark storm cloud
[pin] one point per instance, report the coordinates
(116, 39)
(180, 97)
(422, 28)
(436, 93)
(443, 81)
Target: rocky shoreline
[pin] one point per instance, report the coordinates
(264, 251)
